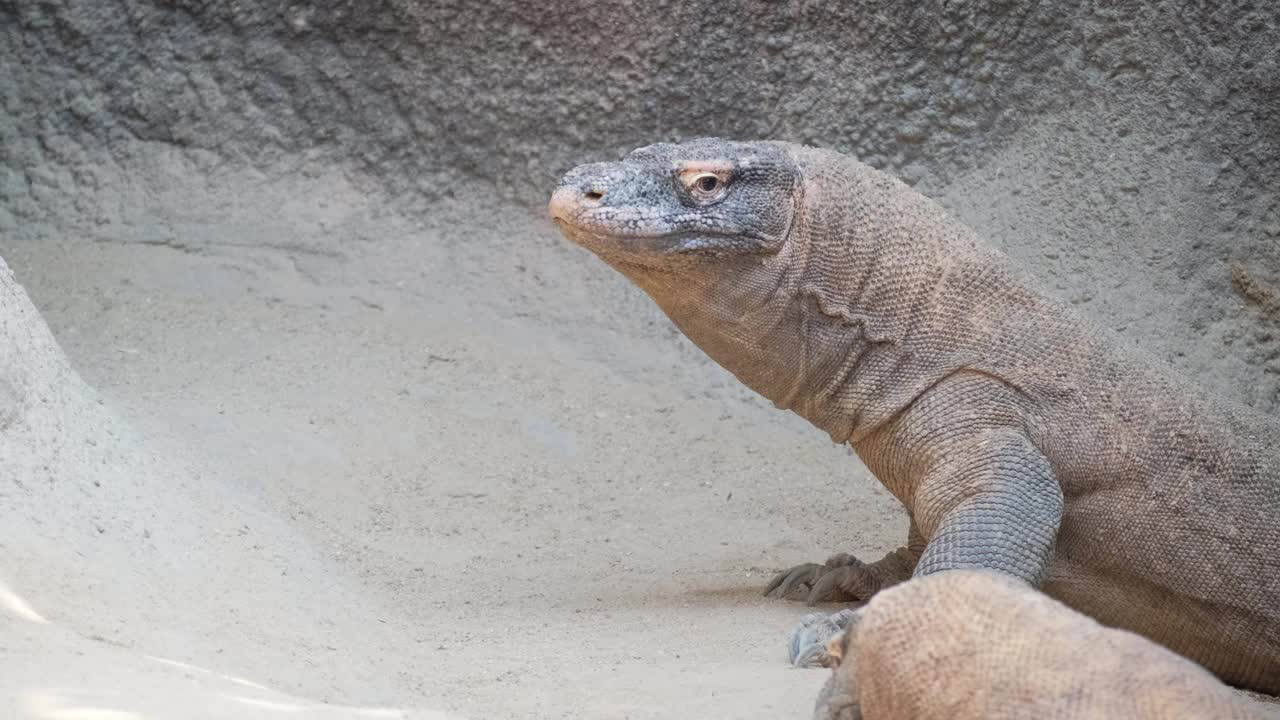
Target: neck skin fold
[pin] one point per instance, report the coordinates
(841, 325)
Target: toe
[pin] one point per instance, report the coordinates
(831, 587)
(786, 582)
(776, 582)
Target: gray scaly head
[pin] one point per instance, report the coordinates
(708, 230)
(672, 207)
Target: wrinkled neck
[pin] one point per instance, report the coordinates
(886, 286)
(877, 254)
(764, 336)
(754, 323)
(842, 326)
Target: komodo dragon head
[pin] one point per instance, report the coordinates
(706, 228)
(686, 208)
(784, 263)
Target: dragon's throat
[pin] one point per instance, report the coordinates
(783, 353)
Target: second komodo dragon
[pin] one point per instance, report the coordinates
(977, 645)
(1020, 437)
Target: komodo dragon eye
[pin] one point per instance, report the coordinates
(705, 185)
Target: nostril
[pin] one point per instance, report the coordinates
(593, 195)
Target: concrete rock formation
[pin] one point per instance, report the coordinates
(286, 242)
(1130, 150)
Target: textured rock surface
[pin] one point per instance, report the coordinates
(307, 239)
(1127, 150)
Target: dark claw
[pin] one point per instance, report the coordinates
(783, 583)
(831, 586)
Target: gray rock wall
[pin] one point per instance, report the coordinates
(1128, 152)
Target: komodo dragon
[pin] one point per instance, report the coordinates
(978, 645)
(1019, 437)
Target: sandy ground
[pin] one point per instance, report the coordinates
(334, 460)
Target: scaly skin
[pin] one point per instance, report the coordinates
(1049, 662)
(1019, 437)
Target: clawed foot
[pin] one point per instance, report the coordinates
(841, 578)
(808, 644)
